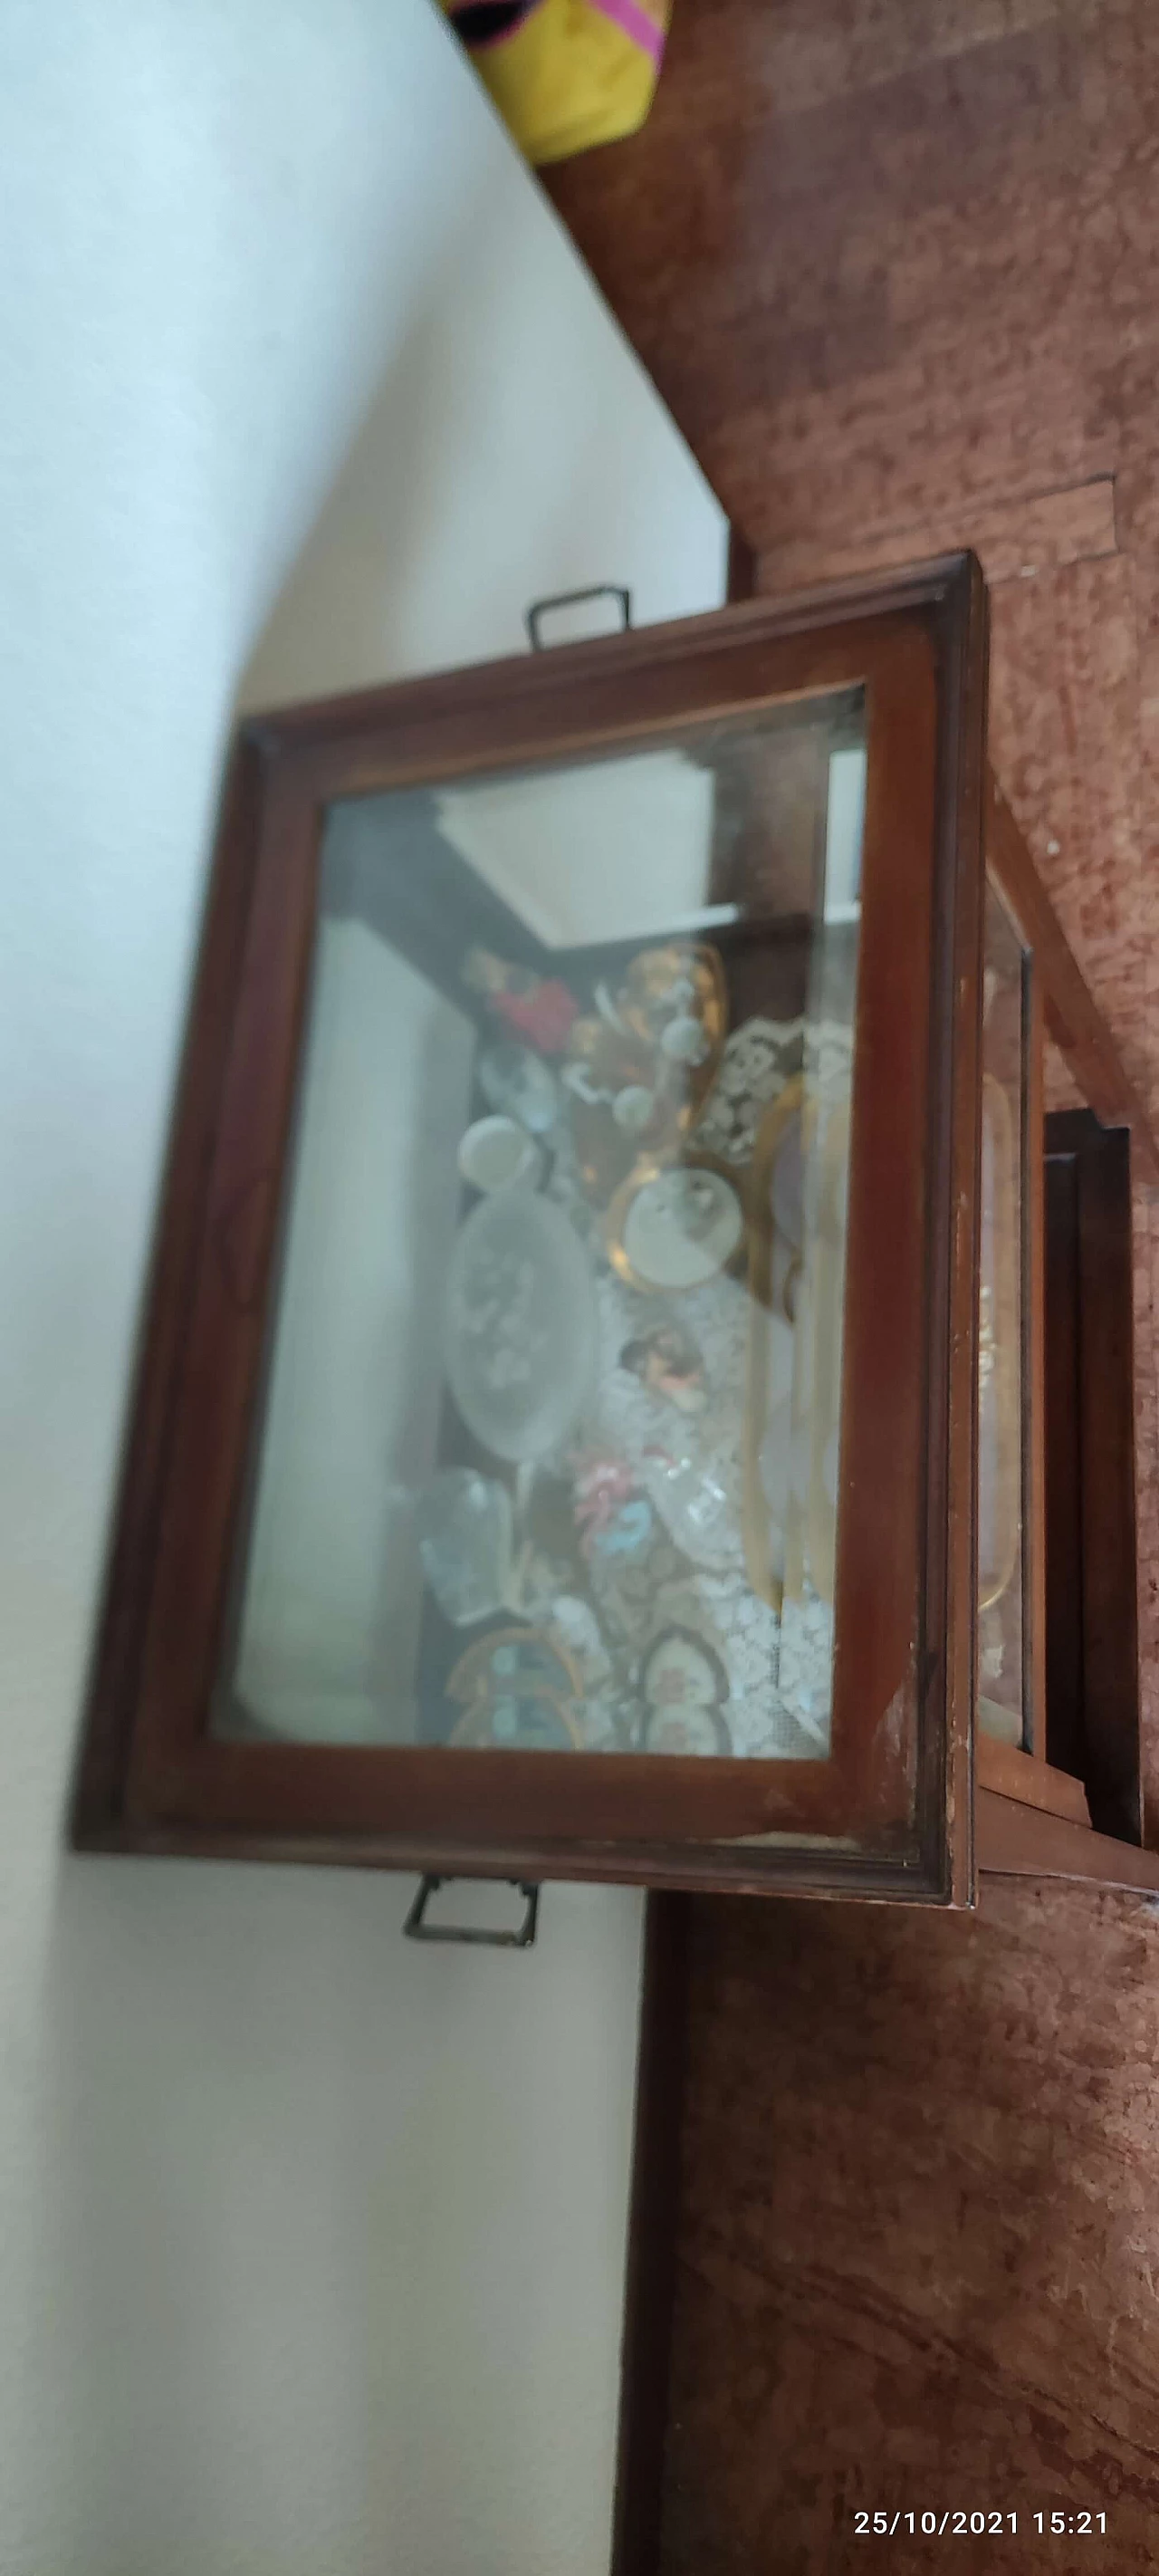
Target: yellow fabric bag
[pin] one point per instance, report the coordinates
(565, 74)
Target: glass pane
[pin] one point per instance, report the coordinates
(549, 1445)
(1001, 1681)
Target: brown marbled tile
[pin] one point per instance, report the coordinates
(920, 2230)
(893, 264)
(1013, 540)
(862, 307)
(1064, 730)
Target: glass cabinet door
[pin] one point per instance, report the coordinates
(549, 1454)
(570, 1378)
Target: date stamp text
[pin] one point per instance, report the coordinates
(957, 2523)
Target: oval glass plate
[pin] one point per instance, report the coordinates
(520, 1337)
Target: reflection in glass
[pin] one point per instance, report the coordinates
(548, 1454)
(1001, 1686)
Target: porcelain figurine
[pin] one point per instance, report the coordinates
(612, 1515)
(666, 1360)
(462, 1523)
(684, 1688)
(532, 1006)
(520, 1691)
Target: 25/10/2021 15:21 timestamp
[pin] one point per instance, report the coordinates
(1055, 2524)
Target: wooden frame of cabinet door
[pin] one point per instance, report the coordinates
(1032, 1817)
(890, 1811)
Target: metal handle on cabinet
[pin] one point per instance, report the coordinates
(417, 1928)
(575, 599)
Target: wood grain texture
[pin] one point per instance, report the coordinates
(650, 2282)
(1016, 1841)
(893, 267)
(115, 1677)
(1011, 1773)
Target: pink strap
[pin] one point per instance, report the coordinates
(635, 22)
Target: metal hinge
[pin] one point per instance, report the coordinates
(522, 1937)
(575, 599)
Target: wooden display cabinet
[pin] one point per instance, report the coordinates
(603, 1405)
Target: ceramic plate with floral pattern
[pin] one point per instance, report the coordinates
(684, 1688)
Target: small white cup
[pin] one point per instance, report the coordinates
(632, 1108)
(684, 1041)
(495, 1153)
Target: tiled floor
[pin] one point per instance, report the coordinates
(895, 265)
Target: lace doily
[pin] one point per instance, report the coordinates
(758, 1060)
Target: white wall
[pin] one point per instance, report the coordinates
(309, 2244)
